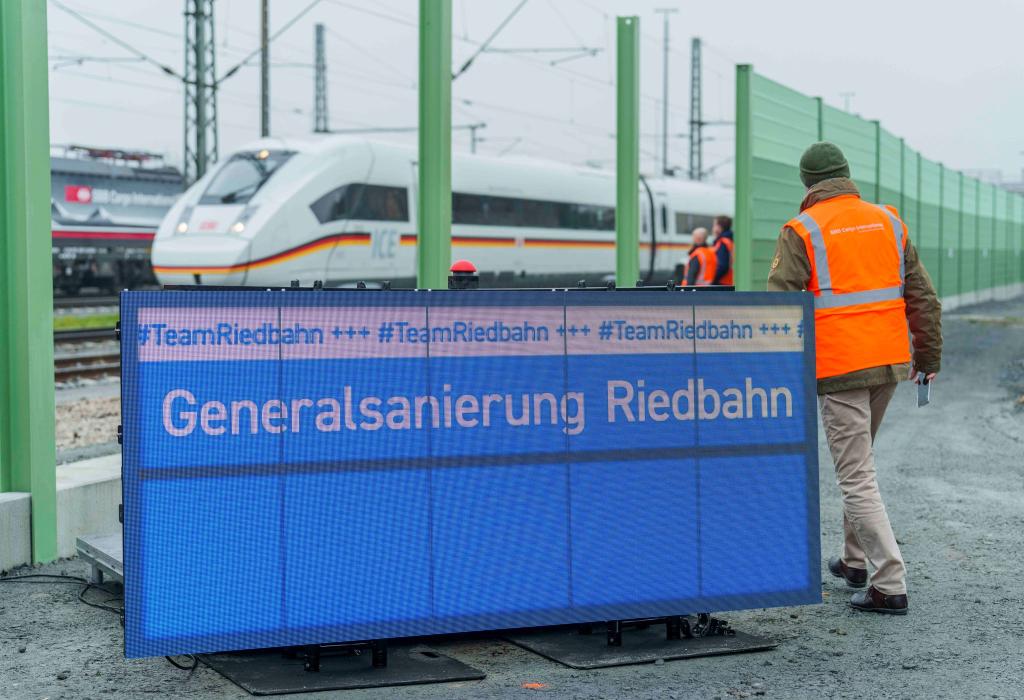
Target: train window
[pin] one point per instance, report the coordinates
(686, 223)
(242, 176)
(468, 209)
(503, 211)
(363, 202)
(540, 214)
(488, 210)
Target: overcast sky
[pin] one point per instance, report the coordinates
(945, 75)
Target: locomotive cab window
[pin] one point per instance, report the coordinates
(242, 176)
(363, 202)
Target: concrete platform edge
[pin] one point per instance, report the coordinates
(88, 494)
(15, 533)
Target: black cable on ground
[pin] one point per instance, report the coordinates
(60, 578)
(190, 669)
(78, 580)
(101, 606)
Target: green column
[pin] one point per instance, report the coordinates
(627, 153)
(27, 452)
(743, 227)
(434, 243)
(878, 161)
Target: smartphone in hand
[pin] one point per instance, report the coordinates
(924, 390)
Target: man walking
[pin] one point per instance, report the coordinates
(868, 285)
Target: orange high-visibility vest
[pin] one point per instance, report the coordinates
(728, 243)
(705, 257)
(857, 274)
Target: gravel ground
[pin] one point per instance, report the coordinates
(951, 475)
(90, 420)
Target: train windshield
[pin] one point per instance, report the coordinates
(243, 175)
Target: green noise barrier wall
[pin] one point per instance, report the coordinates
(970, 234)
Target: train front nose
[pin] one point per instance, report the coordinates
(212, 260)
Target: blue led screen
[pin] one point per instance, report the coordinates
(305, 467)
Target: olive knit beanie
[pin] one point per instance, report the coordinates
(821, 161)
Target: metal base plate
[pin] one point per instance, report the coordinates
(273, 673)
(105, 553)
(639, 646)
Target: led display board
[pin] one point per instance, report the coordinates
(325, 466)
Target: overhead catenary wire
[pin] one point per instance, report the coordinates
(287, 25)
(117, 40)
(487, 42)
(129, 23)
(583, 77)
(580, 78)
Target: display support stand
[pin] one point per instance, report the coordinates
(640, 641)
(320, 667)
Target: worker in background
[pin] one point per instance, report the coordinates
(723, 247)
(868, 285)
(700, 263)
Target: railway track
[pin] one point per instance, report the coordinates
(86, 365)
(83, 334)
(84, 302)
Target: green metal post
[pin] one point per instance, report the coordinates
(27, 452)
(942, 229)
(960, 236)
(744, 208)
(627, 153)
(878, 161)
(434, 242)
(821, 118)
(903, 178)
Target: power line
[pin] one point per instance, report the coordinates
(287, 25)
(112, 37)
(129, 23)
(365, 53)
(596, 82)
(489, 39)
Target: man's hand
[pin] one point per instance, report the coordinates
(928, 378)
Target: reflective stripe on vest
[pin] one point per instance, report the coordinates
(826, 298)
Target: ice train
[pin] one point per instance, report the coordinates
(342, 210)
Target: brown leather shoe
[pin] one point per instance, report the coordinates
(873, 600)
(855, 578)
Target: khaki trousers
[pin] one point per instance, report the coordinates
(851, 419)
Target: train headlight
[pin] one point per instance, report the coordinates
(243, 219)
(186, 216)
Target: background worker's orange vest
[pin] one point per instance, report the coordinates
(857, 274)
(706, 258)
(728, 243)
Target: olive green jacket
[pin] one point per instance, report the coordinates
(791, 272)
